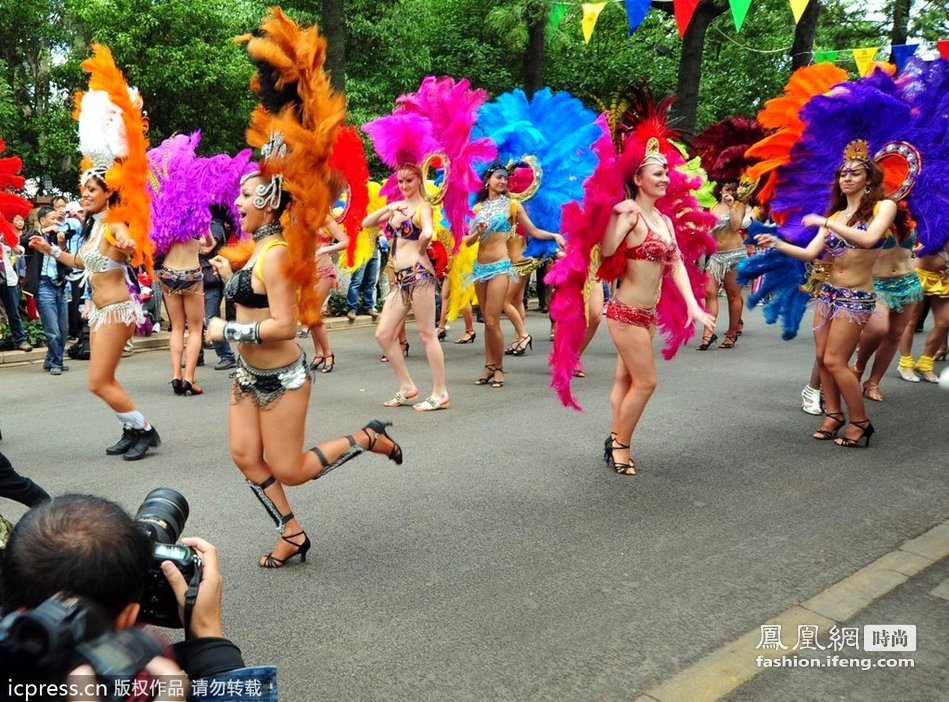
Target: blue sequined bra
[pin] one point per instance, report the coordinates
(890, 242)
(838, 246)
(496, 214)
(406, 229)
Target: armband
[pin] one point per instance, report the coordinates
(240, 332)
(55, 251)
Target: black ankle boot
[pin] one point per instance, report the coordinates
(125, 443)
(144, 440)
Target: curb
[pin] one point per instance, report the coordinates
(159, 341)
(722, 671)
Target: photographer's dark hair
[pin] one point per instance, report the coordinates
(80, 544)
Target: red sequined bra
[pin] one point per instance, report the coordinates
(654, 248)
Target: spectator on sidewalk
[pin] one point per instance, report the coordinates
(46, 280)
(362, 288)
(214, 287)
(10, 290)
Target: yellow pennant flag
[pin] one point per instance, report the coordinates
(591, 13)
(864, 59)
(798, 7)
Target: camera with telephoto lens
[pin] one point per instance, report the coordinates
(42, 645)
(162, 516)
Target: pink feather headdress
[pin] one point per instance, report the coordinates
(437, 118)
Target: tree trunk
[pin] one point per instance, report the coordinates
(684, 111)
(534, 53)
(334, 27)
(901, 9)
(802, 50)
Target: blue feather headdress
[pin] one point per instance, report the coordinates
(559, 132)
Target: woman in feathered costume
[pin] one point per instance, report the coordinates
(546, 143)
(437, 119)
(722, 149)
(180, 227)
(281, 207)
(115, 198)
(842, 124)
(641, 209)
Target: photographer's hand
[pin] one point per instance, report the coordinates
(206, 615)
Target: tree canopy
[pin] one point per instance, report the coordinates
(192, 76)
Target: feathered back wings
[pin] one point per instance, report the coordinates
(296, 124)
(112, 136)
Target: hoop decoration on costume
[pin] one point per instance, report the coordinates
(11, 204)
(113, 143)
(901, 163)
(436, 173)
(525, 177)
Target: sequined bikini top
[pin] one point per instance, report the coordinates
(93, 261)
(838, 246)
(656, 249)
(496, 214)
(407, 229)
(890, 241)
(240, 290)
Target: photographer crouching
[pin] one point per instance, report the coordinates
(79, 575)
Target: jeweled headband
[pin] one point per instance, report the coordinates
(653, 155)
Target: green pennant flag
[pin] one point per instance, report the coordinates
(554, 17)
(820, 56)
(739, 11)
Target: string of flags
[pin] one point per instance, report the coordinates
(684, 10)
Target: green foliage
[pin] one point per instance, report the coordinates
(33, 329)
(192, 76)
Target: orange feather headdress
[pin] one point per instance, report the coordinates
(114, 146)
(295, 126)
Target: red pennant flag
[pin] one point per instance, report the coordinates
(943, 46)
(684, 9)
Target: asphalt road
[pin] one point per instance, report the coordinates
(503, 560)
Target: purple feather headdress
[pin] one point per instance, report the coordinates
(913, 114)
(184, 187)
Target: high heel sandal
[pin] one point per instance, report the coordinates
(872, 392)
(271, 561)
(621, 468)
(485, 379)
(442, 333)
(607, 446)
(468, 338)
(828, 434)
(405, 347)
(741, 327)
(176, 386)
(379, 428)
(328, 364)
(707, 341)
(729, 342)
(520, 348)
(495, 383)
(317, 363)
(190, 388)
(866, 432)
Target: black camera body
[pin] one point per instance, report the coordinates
(162, 516)
(45, 643)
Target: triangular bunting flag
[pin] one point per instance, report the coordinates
(554, 17)
(636, 12)
(864, 59)
(820, 56)
(591, 13)
(684, 9)
(798, 7)
(739, 10)
(901, 54)
(943, 46)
